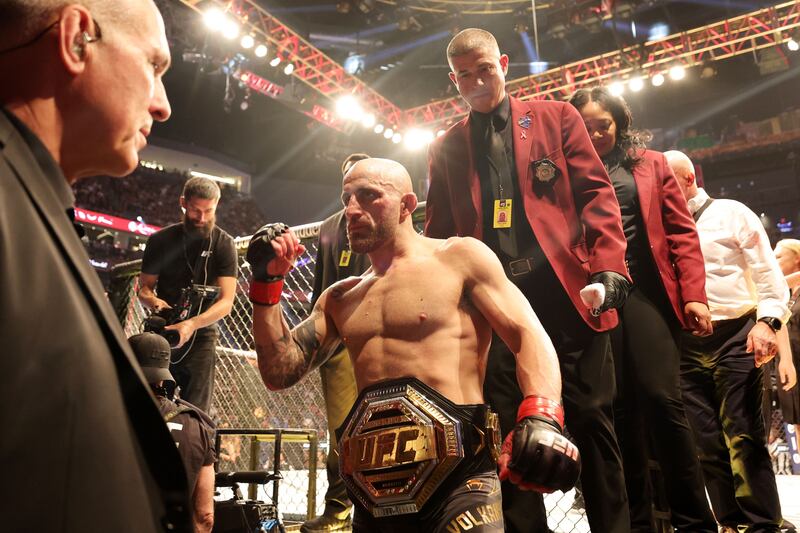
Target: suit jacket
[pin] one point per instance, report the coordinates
(332, 241)
(575, 217)
(671, 232)
(84, 447)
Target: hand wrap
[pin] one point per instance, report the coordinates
(264, 289)
(536, 455)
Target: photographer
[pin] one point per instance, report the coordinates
(192, 430)
(192, 252)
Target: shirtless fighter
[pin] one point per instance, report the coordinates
(418, 450)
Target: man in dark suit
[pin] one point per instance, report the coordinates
(524, 178)
(84, 446)
(335, 261)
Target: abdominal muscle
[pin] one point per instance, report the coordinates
(452, 365)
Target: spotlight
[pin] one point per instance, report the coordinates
(636, 84)
(657, 80)
(378, 128)
(214, 19)
(289, 68)
(616, 88)
(387, 133)
(368, 121)
(677, 73)
(230, 29)
(349, 108)
(417, 138)
(247, 42)
(261, 50)
(396, 138)
(440, 133)
(275, 61)
(792, 45)
(708, 71)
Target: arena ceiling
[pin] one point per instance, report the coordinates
(397, 48)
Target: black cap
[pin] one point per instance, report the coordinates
(153, 353)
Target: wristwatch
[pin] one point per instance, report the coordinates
(774, 323)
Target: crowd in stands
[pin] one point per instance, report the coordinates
(153, 195)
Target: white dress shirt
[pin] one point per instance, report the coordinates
(741, 270)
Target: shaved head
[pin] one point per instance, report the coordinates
(21, 20)
(391, 175)
(470, 40)
(679, 162)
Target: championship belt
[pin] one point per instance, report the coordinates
(402, 439)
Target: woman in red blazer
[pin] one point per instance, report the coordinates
(666, 265)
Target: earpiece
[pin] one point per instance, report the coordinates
(80, 44)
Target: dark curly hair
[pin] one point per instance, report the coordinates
(630, 143)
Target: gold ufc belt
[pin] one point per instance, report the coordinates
(402, 439)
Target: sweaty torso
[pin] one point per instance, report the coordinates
(414, 320)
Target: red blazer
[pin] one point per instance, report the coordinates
(575, 218)
(671, 232)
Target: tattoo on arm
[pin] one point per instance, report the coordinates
(297, 352)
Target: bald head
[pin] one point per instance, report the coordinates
(683, 169)
(469, 40)
(390, 175)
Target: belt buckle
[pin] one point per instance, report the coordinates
(519, 267)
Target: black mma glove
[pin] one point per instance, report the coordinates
(536, 455)
(617, 288)
(264, 289)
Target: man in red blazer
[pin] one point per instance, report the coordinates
(524, 178)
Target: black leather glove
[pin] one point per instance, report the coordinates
(260, 251)
(617, 288)
(536, 455)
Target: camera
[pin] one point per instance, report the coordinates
(191, 302)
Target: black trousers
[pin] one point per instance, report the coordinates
(588, 387)
(722, 390)
(649, 409)
(194, 368)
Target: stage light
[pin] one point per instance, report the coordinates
(289, 68)
(261, 50)
(275, 61)
(416, 138)
(230, 29)
(657, 80)
(396, 138)
(387, 133)
(368, 120)
(214, 19)
(440, 133)
(348, 107)
(378, 128)
(677, 73)
(792, 45)
(247, 42)
(636, 84)
(616, 88)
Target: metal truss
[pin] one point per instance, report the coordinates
(724, 39)
(720, 40)
(312, 67)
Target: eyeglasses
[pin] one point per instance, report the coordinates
(86, 37)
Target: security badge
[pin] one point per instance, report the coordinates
(502, 214)
(344, 259)
(545, 170)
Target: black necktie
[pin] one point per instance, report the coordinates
(502, 186)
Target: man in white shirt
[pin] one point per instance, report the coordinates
(722, 375)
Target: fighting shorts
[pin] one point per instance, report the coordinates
(412, 460)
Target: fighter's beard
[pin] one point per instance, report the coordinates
(202, 232)
(365, 244)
